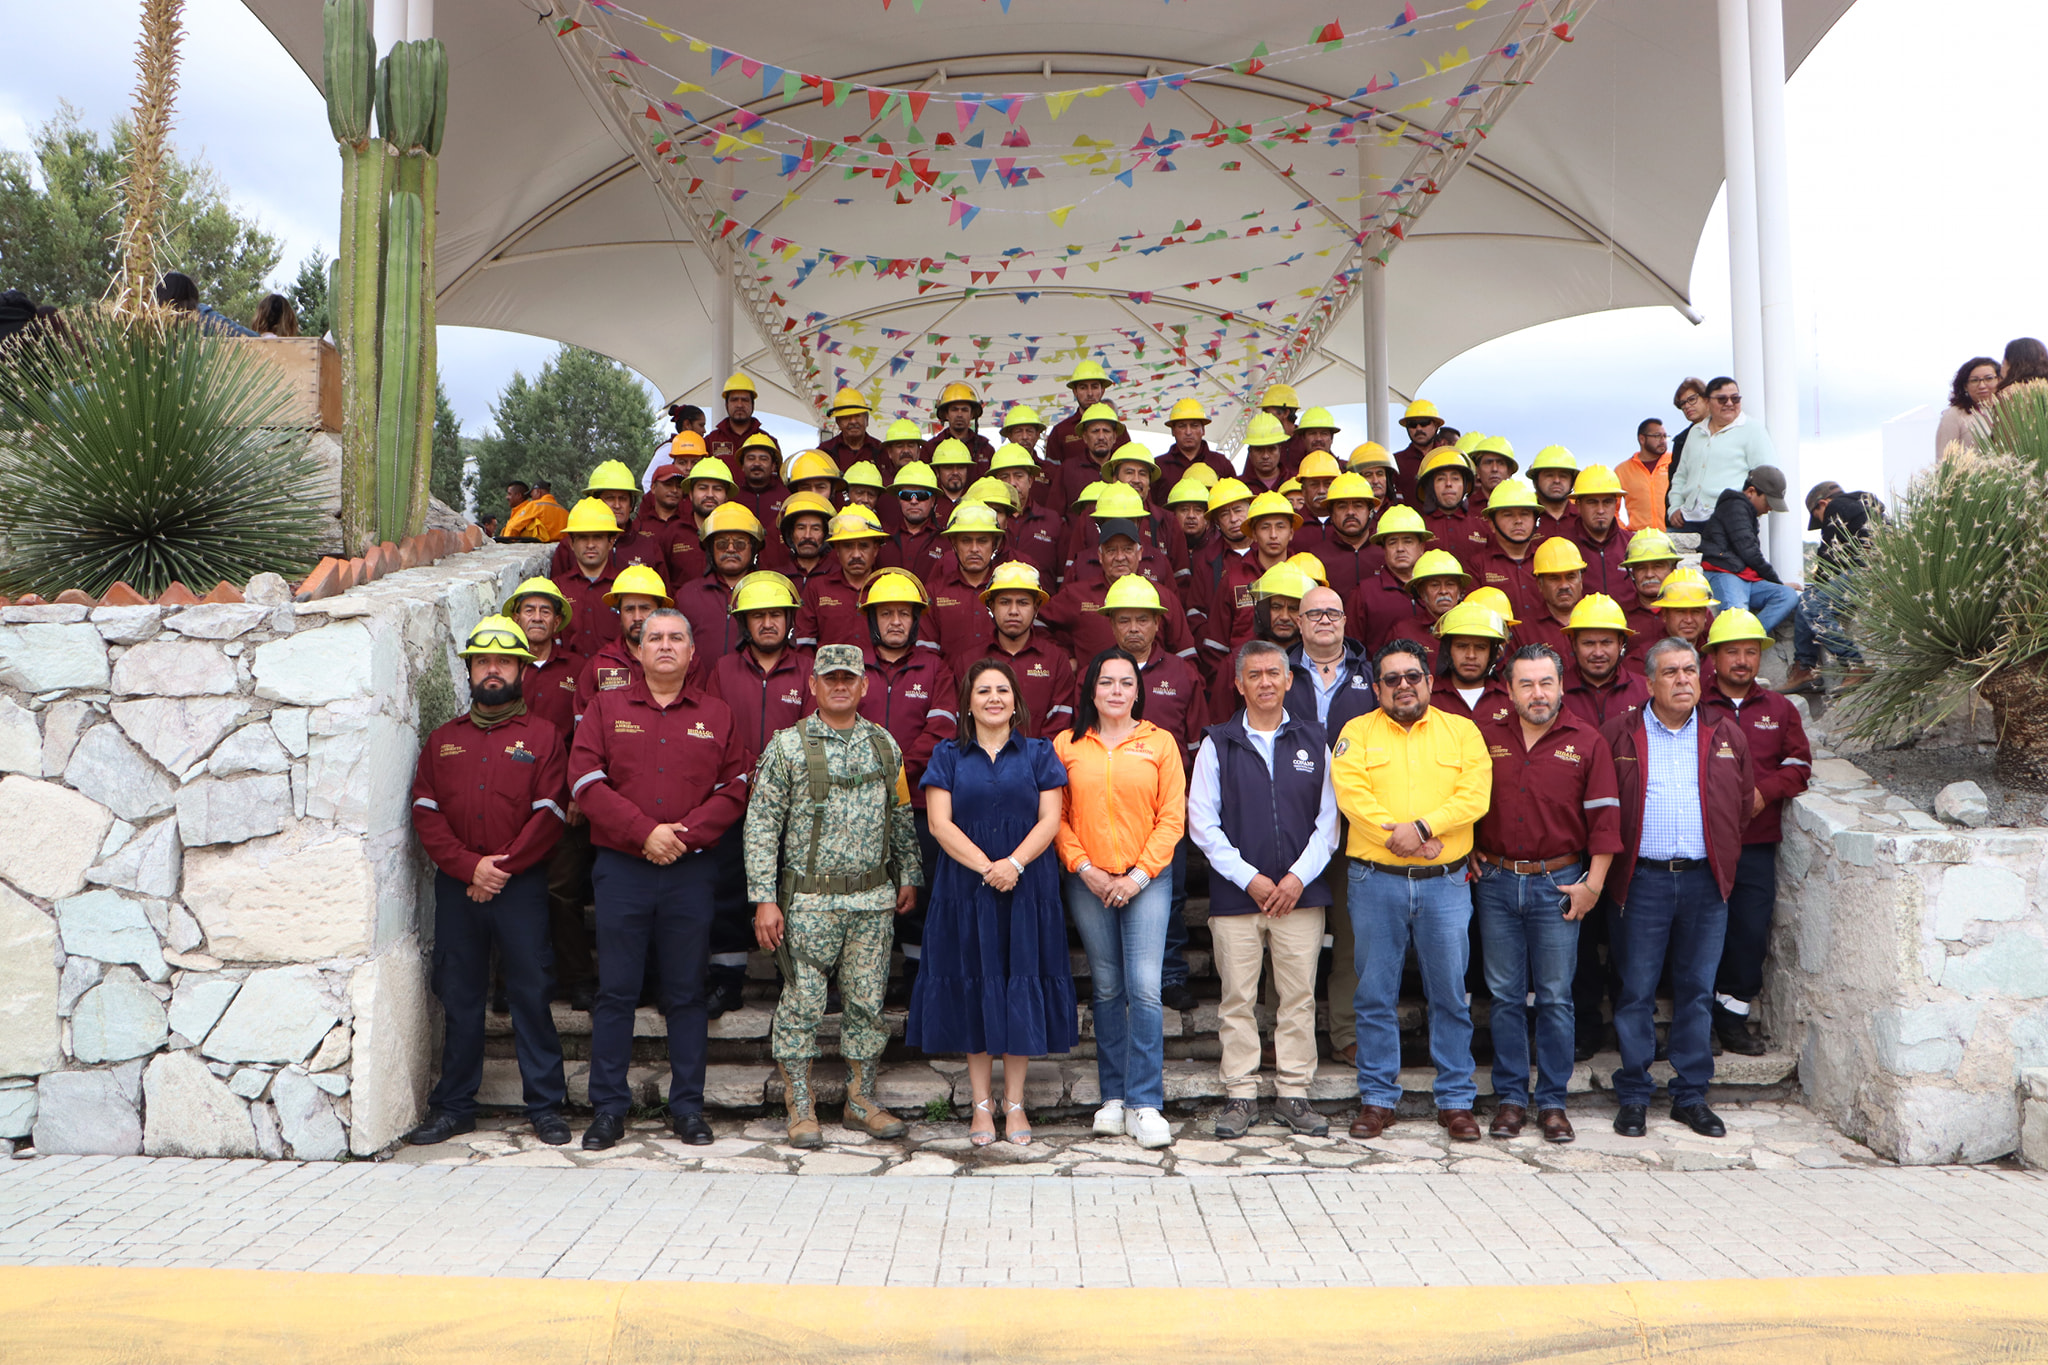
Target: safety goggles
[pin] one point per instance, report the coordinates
(497, 637)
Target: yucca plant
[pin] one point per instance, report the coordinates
(144, 450)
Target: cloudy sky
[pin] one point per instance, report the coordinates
(1906, 202)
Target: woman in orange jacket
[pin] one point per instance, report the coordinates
(1126, 806)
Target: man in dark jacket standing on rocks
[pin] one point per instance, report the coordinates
(1732, 551)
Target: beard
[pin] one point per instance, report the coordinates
(494, 692)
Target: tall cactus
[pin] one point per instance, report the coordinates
(398, 397)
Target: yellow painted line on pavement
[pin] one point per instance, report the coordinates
(120, 1316)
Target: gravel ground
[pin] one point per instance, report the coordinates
(1917, 774)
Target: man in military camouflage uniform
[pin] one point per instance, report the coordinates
(831, 850)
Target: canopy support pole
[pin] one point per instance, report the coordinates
(1373, 303)
(1774, 274)
(419, 20)
(721, 318)
(1738, 155)
(388, 24)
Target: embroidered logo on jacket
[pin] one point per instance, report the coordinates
(698, 730)
(450, 751)
(611, 677)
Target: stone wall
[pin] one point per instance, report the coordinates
(1909, 968)
(213, 912)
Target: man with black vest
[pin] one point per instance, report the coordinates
(1263, 812)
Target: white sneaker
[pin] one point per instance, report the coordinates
(1149, 1127)
(1109, 1119)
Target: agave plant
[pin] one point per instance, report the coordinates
(145, 451)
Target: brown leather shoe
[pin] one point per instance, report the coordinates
(1459, 1123)
(1556, 1127)
(1372, 1120)
(1507, 1121)
(1348, 1054)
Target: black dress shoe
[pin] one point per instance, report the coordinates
(691, 1128)
(727, 992)
(1177, 996)
(1632, 1120)
(604, 1132)
(1700, 1119)
(439, 1126)
(582, 996)
(551, 1128)
(1584, 1049)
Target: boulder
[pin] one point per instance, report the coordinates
(174, 668)
(21, 740)
(86, 1113)
(279, 1015)
(314, 667)
(46, 658)
(306, 1117)
(212, 621)
(149, 864)
(251, 749)
(113, 772)
(17, 1109)
(118, 1019)
(198, 1004)
(190, 1113)
(1963, 803)
(394, 1040)
(211, 811)
(233, 890)
(267, 590)
(28, 989)
(53, 835)
(179, 731)
(112, 928)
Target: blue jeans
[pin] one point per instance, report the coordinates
(1124, 950)
(1529, 946)
(1817, 624)
(1772, 602)
(1387, 913)
(1679, 915)
(1174, 972)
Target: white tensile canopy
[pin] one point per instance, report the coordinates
(1186, 192)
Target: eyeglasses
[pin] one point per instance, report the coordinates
(1322, 616)
(913, 495)
(1727, 400)
(1413, 678)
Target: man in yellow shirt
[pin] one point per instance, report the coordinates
(1413, 781)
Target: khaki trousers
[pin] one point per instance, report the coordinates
(1241, 943)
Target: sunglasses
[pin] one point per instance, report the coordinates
(1412, 678)
(1728, 399)
(913, 495)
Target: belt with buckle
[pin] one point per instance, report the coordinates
(1528, 867)
(1672, 864)
(1417, 872)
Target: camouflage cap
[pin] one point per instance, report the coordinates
(838, 659)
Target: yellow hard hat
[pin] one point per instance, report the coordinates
(1272, 505)
(739, 383)
(916, 474)
(1087, 496)
(1557, 555)
(1401, 520)
(1596, 480)
(1318, 464)
(1187, 410)
(994, 492)
(1512, 492)
(1470, 619)
(1438, 564)
(1499, 446)
(1279, 396)
(1598, 611)
(1650, 546)
(1736, 624)
(1022, 416)
(1553, 457)
(764, 590)
(1014, 576)
(538, 587)
(903, 429)
(972, 518)
(1130, 452)
(1290, 485)
(611, 477)
(760, 440)
(894, 585)
(1348, 487)
(1132, 592)
(1684, 588)
(1265, 430)
(1370, 455)
(848, 400)
(1186, 491)
(1088, 369)
(590, 517)
(1228, 491)
(496, 635)
(799, 503)
(951, 451)
(637, 580)
(855, 523)
(733, 516)
(1469, 441)
(1421, 410)
(711, 467)
(1311, 567)
(1315, 419)
(1097, 412)
(1444, 457)
(686, 443)
(1495, 601)
(1204, 474)
(1119, 500)
(1284, 579)
(813, 464)
(863, 474)
(1010, 455)
(958, 392)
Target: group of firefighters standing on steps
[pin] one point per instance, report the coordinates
(1413, 699)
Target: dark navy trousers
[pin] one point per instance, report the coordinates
(664, 911)
(517, 918)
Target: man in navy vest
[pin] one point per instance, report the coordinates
(1261, 809)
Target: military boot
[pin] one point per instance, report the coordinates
(796, 1096)
(862, 1109)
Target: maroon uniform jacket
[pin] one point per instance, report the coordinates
(636, 765)
(957, 623)
(1382, 609)
(763, 703)
(831, 613)
(592, 624)
(764, 503)
(1034, 538)
(1598, 705)
(1175, 700)
(1725, 785)
(844, 455)
(636, 546)
(1545, 629)
(723, 443)
(707, 601)
(610, 669)
(550, 690)
(1344, 565)
(1078, 623)
(914, 699)
(1779, 754)
(1604, 573)
(1495, 568)
(1553, 800)
(1045, 678)
(480, 793)
(1492, 703)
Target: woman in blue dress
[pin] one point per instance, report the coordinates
(995, 977)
